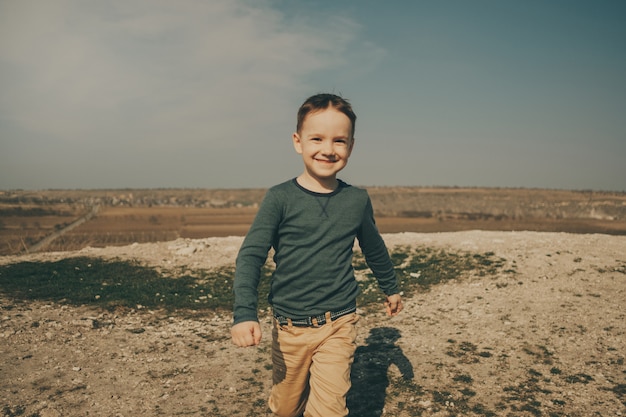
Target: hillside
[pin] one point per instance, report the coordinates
(540, 332)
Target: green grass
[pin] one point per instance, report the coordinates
(115, 283)
(112, 284)
(421, 268)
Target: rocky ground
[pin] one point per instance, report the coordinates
(546, 340)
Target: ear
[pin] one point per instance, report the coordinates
(351, 146)
(297, 144)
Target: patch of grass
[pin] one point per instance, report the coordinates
(111, 284)
(442, 397)
(15, 411)
(466, 352)
(542, 353)
(481, 410)
(114, 283)
(525, 396)
(620, 391)
(427, 267)
(466, 379)
(579, 378)
(398, 257)
(466, 392)
(421, 268)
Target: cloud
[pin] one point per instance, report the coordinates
(144, 71)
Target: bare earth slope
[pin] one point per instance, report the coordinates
(549, 340)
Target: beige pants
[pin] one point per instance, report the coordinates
(311, 368)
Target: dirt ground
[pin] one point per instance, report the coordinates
(549, 340)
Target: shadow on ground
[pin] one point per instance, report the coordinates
(370, 371)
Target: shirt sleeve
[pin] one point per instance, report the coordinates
(376, 253)
(251, 258)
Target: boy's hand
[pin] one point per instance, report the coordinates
(246, 333)
(393, 305)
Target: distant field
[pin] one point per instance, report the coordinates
(24, 224)
(452, 224)
(128, 216)
(116, 226)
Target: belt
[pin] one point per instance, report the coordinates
(315, 321)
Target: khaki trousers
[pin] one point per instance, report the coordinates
(311, 368)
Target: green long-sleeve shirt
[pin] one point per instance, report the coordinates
(313, 236)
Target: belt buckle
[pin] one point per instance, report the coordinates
(316, 321)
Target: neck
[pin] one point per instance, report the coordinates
(325, 185)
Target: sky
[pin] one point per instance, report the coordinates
(203, 94)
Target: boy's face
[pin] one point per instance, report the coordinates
(325, 142)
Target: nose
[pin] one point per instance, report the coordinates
(328, 148)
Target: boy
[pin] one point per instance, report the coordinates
(311, 222)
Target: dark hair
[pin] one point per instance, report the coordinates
(323, 101)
